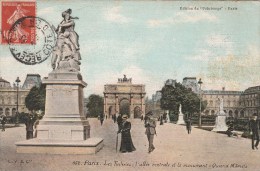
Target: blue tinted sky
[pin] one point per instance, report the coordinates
(152, 41)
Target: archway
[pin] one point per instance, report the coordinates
(13, 111)
(7, 112)
(230, 113)
(124, 107)
(212, 112)
(137, 112)
(236, 113)
(110, 111)
(1, 111)
(242, 113)
(207, 112)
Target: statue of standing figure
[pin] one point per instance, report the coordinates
(221, 104)
(180, 109)
(66, 55)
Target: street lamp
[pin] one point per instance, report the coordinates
(17, 113)
(200, 82)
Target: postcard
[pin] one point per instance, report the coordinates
(129, 85)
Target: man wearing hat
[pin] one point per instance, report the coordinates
(150, 131)
(126, 140)
(3, 122)
(254, 127)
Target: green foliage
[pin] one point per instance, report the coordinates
(35, 100)
(206, 120)
(95, 105)
(172, 97)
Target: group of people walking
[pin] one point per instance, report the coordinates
(124, 127)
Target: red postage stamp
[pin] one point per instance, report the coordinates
(13, 30)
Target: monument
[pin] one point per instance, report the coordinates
(124, 98)
(167, 116)
(220, 124)
(64, 129)
(180, 119)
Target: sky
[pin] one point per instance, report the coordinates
(152, 41)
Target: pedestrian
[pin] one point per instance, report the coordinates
(230, 128)
(106, 116)
(165, 117)
(3, 122)
(101, 119)
(126, 139)
(142, 118)
(114, 118)
(161, 120)
(29, 126)
(254, 127)
(150, 131)
(188, 125)
(119, 121)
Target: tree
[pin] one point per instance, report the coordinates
(35, 100)
(172, 97)
(95, 105)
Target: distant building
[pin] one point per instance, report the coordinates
(157, 96)
(170, 82)
(230, 99)
(236, 103)
(250, 101)
(32, 80)
(124, 98)
(191, 83)
(8, 96)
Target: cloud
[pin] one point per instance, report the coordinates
(236, 73)
(203, 55)
(213, 46)
(220, 41)
(183, 17)
(116, 50)
(114, 15)
(46, 11)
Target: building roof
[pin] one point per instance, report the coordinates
(34, 75)
(222, 92)
(2, 80)
(255, 89)
(192, 78)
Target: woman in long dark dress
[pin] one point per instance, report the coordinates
(126, 140)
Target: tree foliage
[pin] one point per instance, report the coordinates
(35, 100)
(172, 97)
(95, 105)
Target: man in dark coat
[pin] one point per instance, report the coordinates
(161, 120)
(230, 128)
(101, 119)
(254, 127)
(188, 125)
(29, 126)
(3, 122)
(150, 131)
(126, 139)
(142, 118)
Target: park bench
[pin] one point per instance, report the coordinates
(237, 134)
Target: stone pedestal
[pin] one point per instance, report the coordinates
(168, 116)
(180, 119)
(220, 125)
(64, 123)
